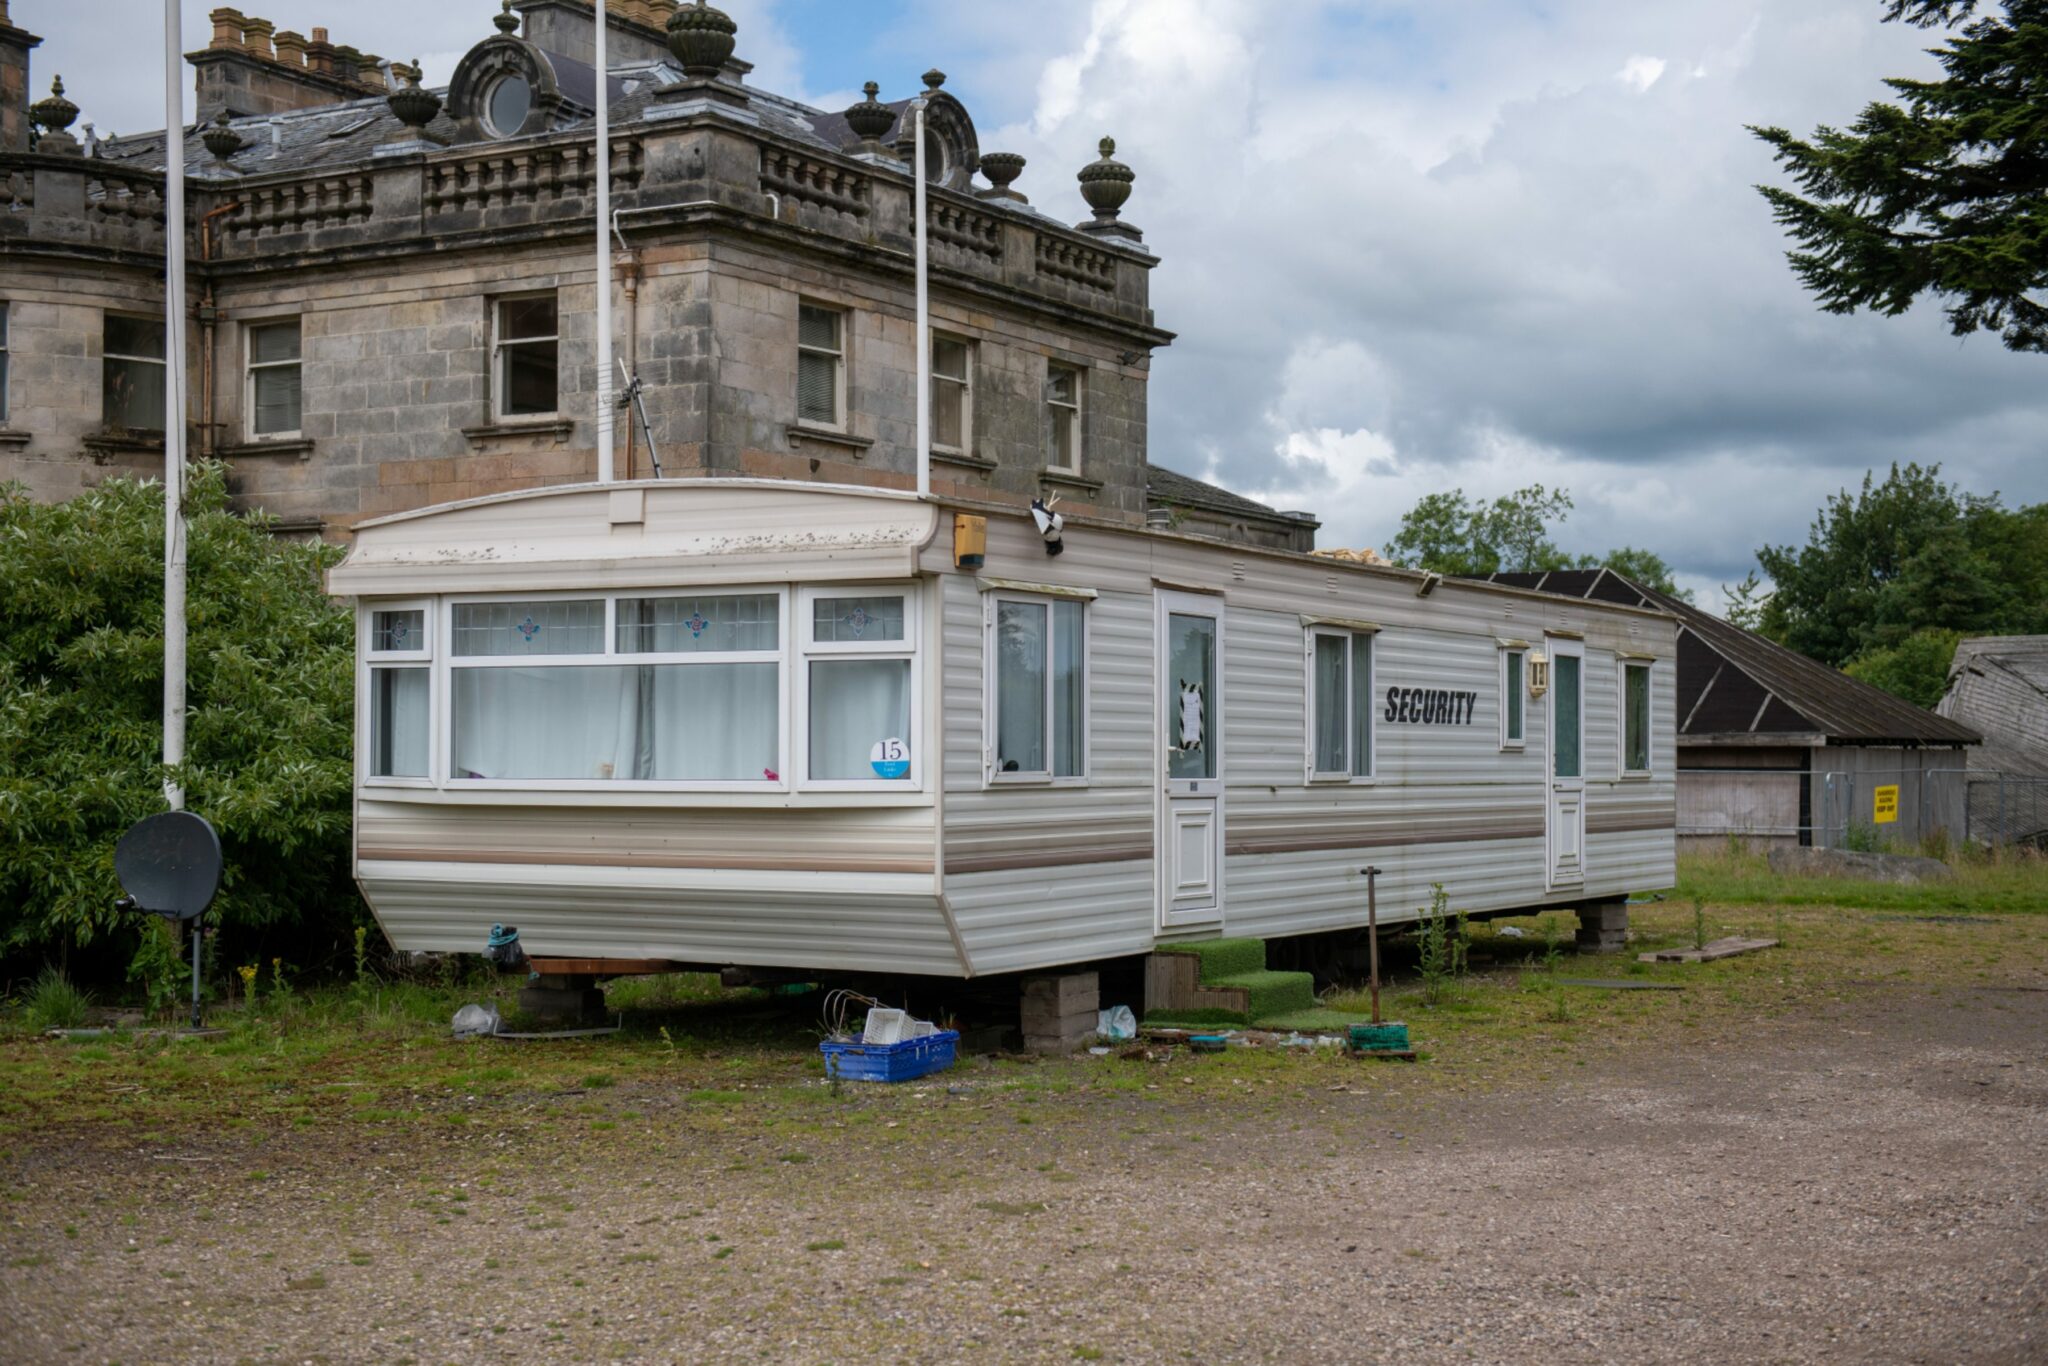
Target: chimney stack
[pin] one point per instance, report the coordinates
(15, 45)
(240, 70)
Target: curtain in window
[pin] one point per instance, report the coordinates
(1330, 693)
(856, 704)
(398, 723)
(1069, 714)
(565, 722)
(710, 723)
(1361, 706)
(1020, 687)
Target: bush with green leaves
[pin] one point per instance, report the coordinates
(270, 707)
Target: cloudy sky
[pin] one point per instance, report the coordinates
(1408, 245)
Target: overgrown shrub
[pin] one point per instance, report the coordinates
(54, 1003)
(269, 689)
(1440, 944)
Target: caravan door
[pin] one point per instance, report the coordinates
(1565, 807)
(1190, 729)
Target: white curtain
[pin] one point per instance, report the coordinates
(398, 721)
(1330, 704)
(710, 722)
(1069, 676)
(1020, 687)
(552, 721)
(855, 705)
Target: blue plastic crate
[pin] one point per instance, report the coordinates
(890, 1061)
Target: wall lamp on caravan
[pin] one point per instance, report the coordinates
(1430, 579)
(1539, 673)
(1049, 523)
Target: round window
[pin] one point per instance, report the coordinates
(507, 104)
(934, 156)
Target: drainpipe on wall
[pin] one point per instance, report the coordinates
(209, 431)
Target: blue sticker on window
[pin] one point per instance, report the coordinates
(890, 759)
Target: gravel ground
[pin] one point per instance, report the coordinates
(1861, 1185)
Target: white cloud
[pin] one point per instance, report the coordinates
(1640, 71)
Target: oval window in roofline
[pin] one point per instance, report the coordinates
(507, 103)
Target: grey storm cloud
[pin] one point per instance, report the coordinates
(1412, 245)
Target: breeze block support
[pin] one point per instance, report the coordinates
(1603, 926)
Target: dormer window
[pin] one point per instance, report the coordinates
(506, 105)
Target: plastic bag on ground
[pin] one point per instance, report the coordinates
(1117, 1023)
(474, 1021)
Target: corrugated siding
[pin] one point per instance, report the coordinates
(862, 921)
(1041, 917)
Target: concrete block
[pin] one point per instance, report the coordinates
(1603, 927)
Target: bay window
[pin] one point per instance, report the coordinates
(1339, 666)
(1036, 663)
(400, 680)
(860, 687)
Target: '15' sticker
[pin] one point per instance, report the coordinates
(890, 759)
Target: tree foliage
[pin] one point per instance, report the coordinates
(1903, 556)
(1456, 535)
(270, 685)
(1944, 192)
(1916, 668)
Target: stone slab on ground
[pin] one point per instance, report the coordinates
(1903, 869)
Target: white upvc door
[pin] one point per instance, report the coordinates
(1189, 727)
(1565, 806)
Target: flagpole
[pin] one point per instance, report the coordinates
(174, 401)
(604, 257)
(924, 313)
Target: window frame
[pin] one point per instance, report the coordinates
(7, 358)
(840, 363)
(970, 361)
(500, 345)
(1071, 413)
(992, 776)
(162, 362)
(250, 365)
(370, 660)
(1514, 743)
(805, 650)
(1350, 635)
(610, 656)
(1622, 667)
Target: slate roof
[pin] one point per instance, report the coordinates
(1168, 486)
(1734, 683)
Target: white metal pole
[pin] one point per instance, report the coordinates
(604, 256)
(174, 399)
(924, 318)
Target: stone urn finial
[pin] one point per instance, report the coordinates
(933, 79)
(702, 39)
(1001, 168)
(413, 105)
(505, 19)
(55, 113)
(1105, 184)
(221, 139)
(870, 119)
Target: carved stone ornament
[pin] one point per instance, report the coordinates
(53, 111)
(413, 105)
(221, 139)
(702, 39)
(1001, 168)
(870, 119)
(507, 22)
(1106, 184)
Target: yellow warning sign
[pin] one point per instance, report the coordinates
(1884, 805)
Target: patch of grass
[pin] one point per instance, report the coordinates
(316, 1281)
(2004, 880)
(1009, 1210)
(52, 1002)
(828, 1245)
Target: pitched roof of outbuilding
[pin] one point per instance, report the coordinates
(1170, 486)
(1734, 683)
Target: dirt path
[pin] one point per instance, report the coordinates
(1867, 1184)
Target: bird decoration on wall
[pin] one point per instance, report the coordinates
(1050, 523)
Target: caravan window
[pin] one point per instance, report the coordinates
(689, 690)
(861, 692)
(1339, 705)
(1514, 702)
(399, 713)
(1635, 719)
(1037, 670)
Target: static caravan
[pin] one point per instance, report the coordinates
(787, 726)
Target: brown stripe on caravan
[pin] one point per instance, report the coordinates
(1624, 823)
(1066, 858)
(588, 860)
(1364, 838)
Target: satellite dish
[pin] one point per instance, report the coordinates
(169, 865)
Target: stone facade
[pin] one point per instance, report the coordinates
(393, 245)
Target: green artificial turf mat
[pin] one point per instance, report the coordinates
(1272, 992)
(1223, 957)
(1316, 1021)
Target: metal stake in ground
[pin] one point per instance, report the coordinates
(1372, 934)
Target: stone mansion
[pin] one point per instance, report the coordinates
(392, 291)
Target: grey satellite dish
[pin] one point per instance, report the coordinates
(170, 866)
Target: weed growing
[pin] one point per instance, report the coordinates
(54, 1003)
(1441, 947)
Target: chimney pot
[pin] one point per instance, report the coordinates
(319, 35)
(227, 27)
(256, 37)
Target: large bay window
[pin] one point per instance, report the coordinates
(671, 688)
(861, 689)
(1339, 705)
(1036, 662)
